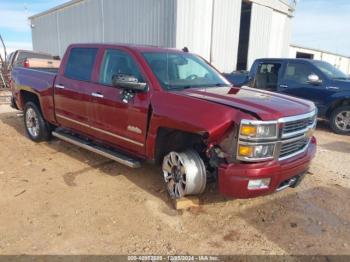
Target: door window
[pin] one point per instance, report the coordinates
(80, 63)
(267, 76)
(298, 73)
(118, 62)
(9, 60)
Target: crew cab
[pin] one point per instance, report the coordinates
(318, 81)
(139, 103)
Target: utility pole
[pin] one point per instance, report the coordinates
(3, 69)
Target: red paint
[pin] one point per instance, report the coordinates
(234, 178)
(210, 112)
(26, 63)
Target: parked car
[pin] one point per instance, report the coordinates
(318, 81)
(238, 78)
(134, 103)
(20, 58)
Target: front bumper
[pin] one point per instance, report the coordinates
(234, 178)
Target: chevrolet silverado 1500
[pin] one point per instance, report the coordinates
(136, 103)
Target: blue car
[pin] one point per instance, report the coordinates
(318, 81)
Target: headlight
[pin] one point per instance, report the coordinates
(255, 152)
(258, 131)
(257, 140)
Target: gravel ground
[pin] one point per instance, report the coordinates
(59, 199)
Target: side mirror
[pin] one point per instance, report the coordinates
(314, 79)
(128, 82)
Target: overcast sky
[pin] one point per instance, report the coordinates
(322, 24)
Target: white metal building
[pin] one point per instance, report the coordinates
(231, 34)
(339, 61)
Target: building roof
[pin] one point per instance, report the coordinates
(319, 50)
(56, 8)
(290, 3)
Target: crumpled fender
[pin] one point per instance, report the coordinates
(193, 115)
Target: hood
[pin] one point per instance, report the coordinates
(263, 104)
(342, 84)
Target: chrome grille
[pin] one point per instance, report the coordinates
(294, 134)
(297, 125)
(295, 146)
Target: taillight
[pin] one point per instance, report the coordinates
(26, 63)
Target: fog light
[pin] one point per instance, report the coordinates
(259, 183)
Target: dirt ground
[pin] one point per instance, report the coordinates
(59, 199)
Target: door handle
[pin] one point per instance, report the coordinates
(59, 86)
(283, 86)
(99, 95)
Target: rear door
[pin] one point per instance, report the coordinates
(116, 121)
(295, 82)
(267, 75)
(72, 98)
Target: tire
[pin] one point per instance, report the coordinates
(184, 174)
(340, 120)
(37, 128)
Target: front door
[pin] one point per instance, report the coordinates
(295, 82)
(120, 123)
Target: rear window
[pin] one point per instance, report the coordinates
(25, 55)
(34, 55)
(80, 63)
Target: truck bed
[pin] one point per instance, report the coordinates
(39, 81)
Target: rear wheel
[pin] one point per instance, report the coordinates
(37, 128)
(340, 120)
(184, 174)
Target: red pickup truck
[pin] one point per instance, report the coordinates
(136, 103)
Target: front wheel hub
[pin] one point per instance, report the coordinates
(184, 174)
(342, 120)
(32, 122)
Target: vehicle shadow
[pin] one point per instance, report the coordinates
(148, 178)
(323, 125)
(297, 222)
(339, 146)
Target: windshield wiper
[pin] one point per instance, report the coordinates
(200, 86)
(187, 87)
(218, 85)
(179, 87)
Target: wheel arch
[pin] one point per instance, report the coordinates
(27, 96)
(337, 103)
(170, 139)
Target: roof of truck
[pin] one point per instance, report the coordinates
(135, 47)
(288, 59)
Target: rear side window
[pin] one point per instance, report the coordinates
(267, 76)
(80, 63)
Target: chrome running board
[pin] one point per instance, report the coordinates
(106, 152)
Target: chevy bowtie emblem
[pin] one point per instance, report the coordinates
(309, 133)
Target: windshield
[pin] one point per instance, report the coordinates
(180, 71)
(331, 71)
